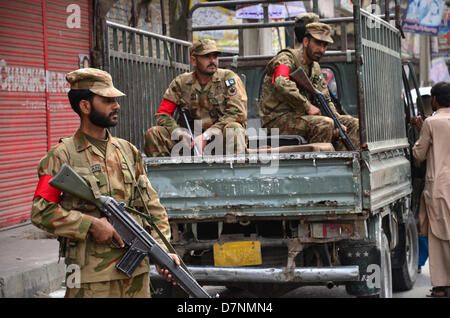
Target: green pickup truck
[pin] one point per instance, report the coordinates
(269, 222)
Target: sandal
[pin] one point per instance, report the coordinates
(440, 292)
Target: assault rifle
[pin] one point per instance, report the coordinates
(138, 243)
(300, 78)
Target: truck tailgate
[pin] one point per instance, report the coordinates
(288, 185)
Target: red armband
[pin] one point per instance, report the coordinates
(282, 70)
(167, 107)
(46, 191)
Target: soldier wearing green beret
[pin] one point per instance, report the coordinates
(113, 167)
(214, 97)
(289, 108)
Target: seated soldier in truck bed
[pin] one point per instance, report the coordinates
(290, 109)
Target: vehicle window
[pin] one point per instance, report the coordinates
(328, 75)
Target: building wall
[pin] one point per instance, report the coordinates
(149, 18)
(40, 41)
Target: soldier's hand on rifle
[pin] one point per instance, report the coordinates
(200, 141)
(313, 110)
(103, 232)
(336, 131)
(164, 272)
(183, 136)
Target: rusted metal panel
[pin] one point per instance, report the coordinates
(304, 184)
(37, 49)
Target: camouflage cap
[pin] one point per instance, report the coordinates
(203, 47)
(319, 31)
(97, 81)
(306, 18)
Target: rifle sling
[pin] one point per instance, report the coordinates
(148, 216)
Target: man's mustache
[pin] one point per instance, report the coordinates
(212, 64)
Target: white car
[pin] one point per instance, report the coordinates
(425, 92)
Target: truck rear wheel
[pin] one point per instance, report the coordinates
(374, 267)
(386, 268)
(405, 256)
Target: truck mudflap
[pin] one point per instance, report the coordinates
(227, 275)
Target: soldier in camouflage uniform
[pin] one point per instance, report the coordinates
(85, 236)
(285, 106)
(210, 94)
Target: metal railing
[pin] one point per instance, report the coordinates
(142, 65)
(381, 108)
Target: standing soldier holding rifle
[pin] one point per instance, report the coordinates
(112, 167)
(289, 106)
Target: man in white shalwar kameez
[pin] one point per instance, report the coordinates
(434, 215)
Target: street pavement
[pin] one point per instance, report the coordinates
(28, 262)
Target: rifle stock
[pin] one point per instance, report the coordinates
(138, 242)
(69, 181)
(300, 78)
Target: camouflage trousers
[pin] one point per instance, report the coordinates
(135, 287)
(316, 129)
(352, 125)
(158, 141)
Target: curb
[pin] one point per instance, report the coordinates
(29, 262)
(45, 279)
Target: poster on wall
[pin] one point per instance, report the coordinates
(424, 16)
(443, 40)
(276, 11)
(439, 70)
(227, 40)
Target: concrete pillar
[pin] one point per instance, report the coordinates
(424, 60)
(256, 41)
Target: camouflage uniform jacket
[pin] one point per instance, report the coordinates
(222, 101)
(283, 96)
(70, 219)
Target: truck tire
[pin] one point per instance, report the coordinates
(405, 256)
(385, 268)
(375, 269)
(353, 255)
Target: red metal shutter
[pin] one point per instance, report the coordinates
(37, 49)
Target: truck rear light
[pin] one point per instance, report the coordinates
(331, 230)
